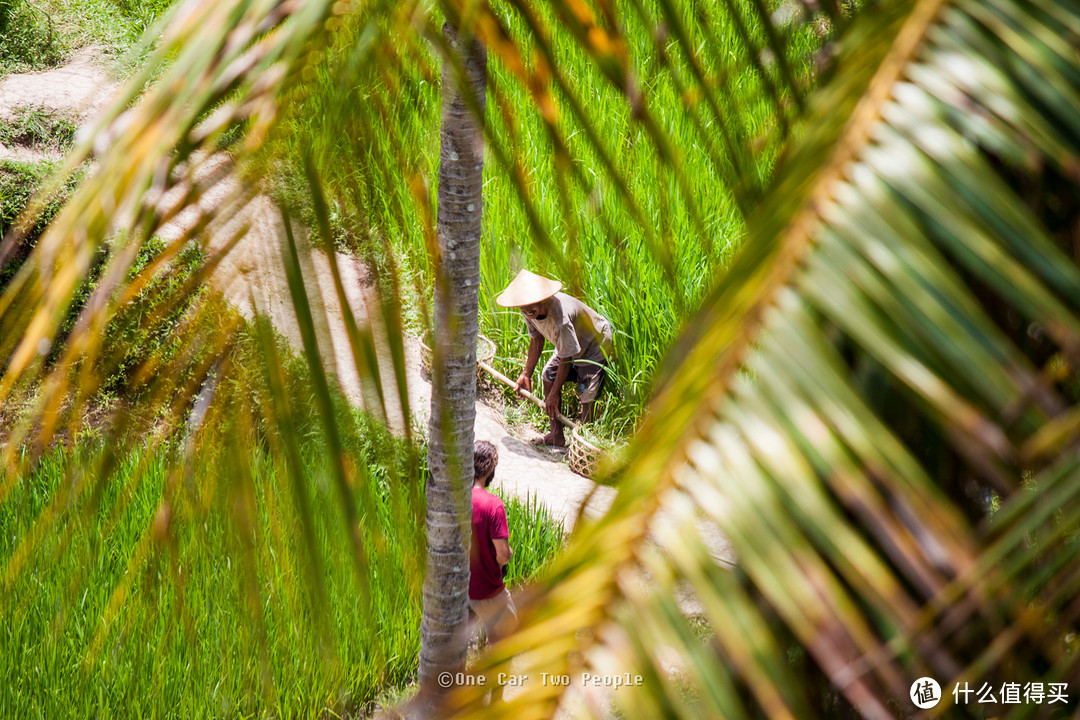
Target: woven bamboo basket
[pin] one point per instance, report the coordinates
(584, 457)
(485, 353)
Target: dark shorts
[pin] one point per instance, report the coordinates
(588, 375)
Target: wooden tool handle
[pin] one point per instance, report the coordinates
(524, 393)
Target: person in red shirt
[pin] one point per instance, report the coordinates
(488, 597)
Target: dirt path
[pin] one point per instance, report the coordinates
(75, 90)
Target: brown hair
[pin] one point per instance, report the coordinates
(485, 458)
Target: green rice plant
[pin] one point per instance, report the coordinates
(122, 609)
(160, 626)
(130, 613)
(535, 536)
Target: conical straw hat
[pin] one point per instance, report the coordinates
(528, 288)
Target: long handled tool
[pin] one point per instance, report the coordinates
(524, 393)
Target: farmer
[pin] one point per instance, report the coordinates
(488, 597)
(582, 339)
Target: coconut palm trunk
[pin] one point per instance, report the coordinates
(443, 641)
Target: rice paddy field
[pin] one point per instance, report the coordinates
(114, 607)
(640, 252)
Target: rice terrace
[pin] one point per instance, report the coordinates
(539, 358)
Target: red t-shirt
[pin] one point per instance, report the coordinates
(488, 521)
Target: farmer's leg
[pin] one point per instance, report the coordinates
(587, 412)
(591, 381)
(555, 435)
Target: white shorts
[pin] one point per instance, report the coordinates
(497, 614)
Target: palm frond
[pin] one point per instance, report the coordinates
(868, 380)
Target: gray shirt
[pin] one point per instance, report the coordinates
(575, 329)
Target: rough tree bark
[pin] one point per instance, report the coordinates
(443, 640)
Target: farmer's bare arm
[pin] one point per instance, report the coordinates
(524, 381)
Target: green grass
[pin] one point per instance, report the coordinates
(28, 37)
(39, 129)
(19, 181)
(614, 269)
(37, 34)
